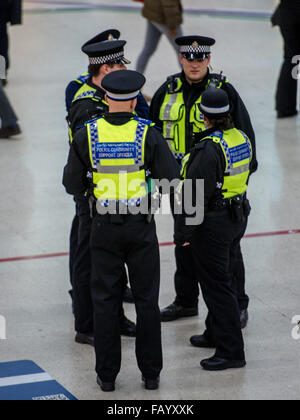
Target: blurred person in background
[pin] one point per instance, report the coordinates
(164, 17)
(287, 17)
(8, 120)
(10, 12)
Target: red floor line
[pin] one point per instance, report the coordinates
(162, 244)
(279, 233)
(35, 257)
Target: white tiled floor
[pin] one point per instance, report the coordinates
(36, 213)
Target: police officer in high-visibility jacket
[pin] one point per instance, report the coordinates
(88, 99)
(175, 109)
(222, 158)
(119, 150)
(105, 56)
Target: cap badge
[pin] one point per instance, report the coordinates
(195, 44)
(110, 37)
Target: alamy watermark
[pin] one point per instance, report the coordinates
(2, 328)
(296, 329)
(190, 203)
(296, 69)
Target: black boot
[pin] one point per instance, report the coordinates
(106, 386)
(127, 327)
(202, 341)
(87, 338)
(151, 384)
(174, 311)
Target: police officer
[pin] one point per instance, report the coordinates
(91, 105)
(222, 158)
(109, 54)
(175, 109)
(90, 101)
(142, 108)
(119, 150)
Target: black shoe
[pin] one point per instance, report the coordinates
(215, 363)
(202, 341)
(7, 132)
(281, 115)
(244, 318)
(127, 328)
(128, 296)
(151, 384)
(174, 311)
(85, 339)
(106, 386)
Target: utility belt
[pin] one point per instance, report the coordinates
(153, 199)
(237, 207)
(121, 219)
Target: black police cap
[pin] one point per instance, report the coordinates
(106, 52)
(123, 85)
(109, 35)
(195, 47)
(215, 103)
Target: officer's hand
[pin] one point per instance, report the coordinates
(173, 32)
(186, 244)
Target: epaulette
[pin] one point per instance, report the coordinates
(82, 78)
(217, 133)
(142, 120)
(216, 80)
(173, 82)
(87, 94)
(174, 76)
(79, 127)
(92, 120)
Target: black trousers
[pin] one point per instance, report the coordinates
(81, 275)
(73, 245)
(4, 42)
(186, 279)
(134, 243)
(81, 271)
(286, 94)
(212, 247)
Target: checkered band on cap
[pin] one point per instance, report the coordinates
(106, 58)
(202, 49)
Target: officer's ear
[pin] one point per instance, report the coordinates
(107, 100)
(180, 58)
(206, 122)
(133, 104)
(106, 69)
